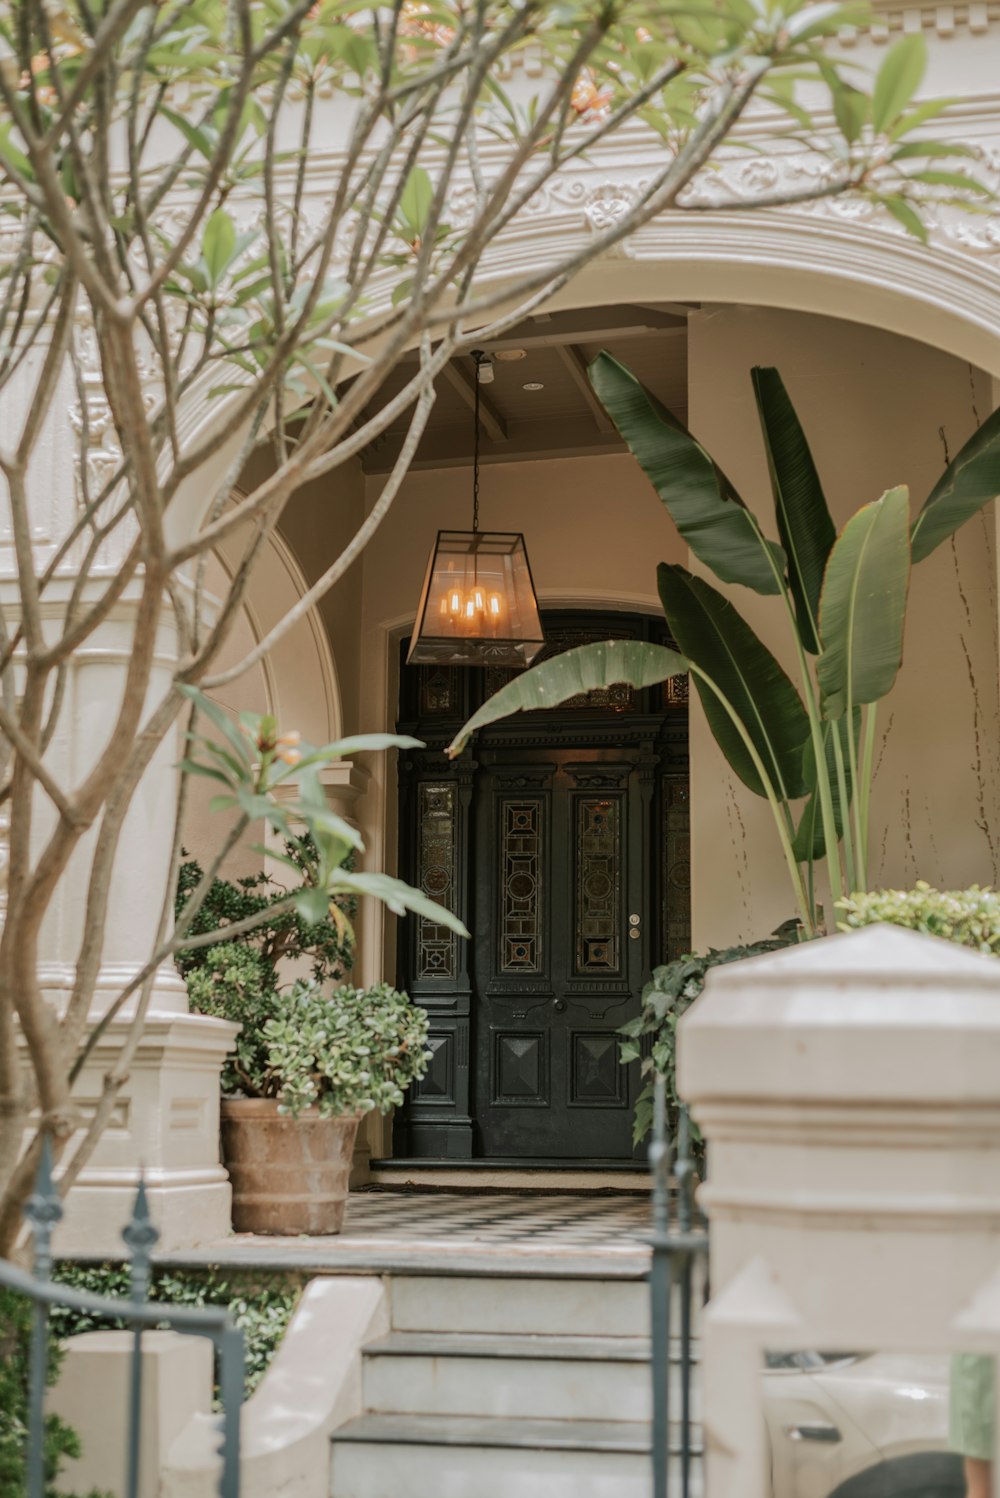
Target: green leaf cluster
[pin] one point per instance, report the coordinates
(281, 936)
(309, 1043)
(651, 1038)
(261, 1304)
(60, 1442)
(970, 917)
(254, 762)
(342, 1051)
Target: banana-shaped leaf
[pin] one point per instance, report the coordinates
(399, 897)
(810, 841)
(575, 671)
(714, 637)
(701, 501)
(863, 605)
(970, 481)
(804, 524)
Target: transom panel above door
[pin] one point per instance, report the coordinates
(562, 841)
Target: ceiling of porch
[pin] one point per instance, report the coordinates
(560, 417)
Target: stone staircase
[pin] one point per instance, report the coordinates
(491, 1386)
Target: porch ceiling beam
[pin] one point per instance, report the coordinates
(593, 324)
(556, 338)
(491, 418)
(674, 309)
(576, 367)
(570, 436)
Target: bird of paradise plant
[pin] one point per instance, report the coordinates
(807, 748)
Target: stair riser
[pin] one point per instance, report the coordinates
(551, 1307)
(384, 1471)
(523, 1388)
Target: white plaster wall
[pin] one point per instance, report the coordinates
(874, 406)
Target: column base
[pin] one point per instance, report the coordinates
(165, 1125)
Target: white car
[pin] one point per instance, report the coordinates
(846, 1425)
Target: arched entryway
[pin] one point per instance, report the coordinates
(563, 842)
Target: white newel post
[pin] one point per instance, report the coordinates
(167, 1117)
(849, 1090)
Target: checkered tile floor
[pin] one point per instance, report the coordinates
(458, 1232)
(559, 1223)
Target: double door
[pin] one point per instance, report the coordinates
(561, 839)
(563, 862)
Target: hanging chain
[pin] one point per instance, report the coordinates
(475, 451)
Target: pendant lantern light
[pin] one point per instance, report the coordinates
(478, 606)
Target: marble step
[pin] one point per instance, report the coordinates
(523, 1306)
(513, 1376)
(383, 1456)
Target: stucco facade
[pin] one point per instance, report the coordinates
(891, 350)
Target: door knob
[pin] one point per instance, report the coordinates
(559, 1005)
(820, 1430)
(634, 933)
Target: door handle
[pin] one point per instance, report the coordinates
(817, 1431)
(559, 1005)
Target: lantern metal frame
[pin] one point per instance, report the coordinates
(456, 641)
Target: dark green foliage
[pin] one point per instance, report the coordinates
(236, 984)
(669, 994)
(327, 944)
(261, 1304)
(317, 1042)
(239, 979)
(61, 1442)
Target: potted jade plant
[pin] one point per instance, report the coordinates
(314, 1054)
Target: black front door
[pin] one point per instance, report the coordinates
(562, 841)
(564, 868)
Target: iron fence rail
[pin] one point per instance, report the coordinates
(44, 1211)
(678, 1274)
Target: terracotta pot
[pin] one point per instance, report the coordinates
(289, 1175)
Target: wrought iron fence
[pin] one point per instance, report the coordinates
(43, 1211)
(678, 1280)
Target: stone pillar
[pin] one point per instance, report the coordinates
(92, 1396)
(849, 1090)
(166, 1120)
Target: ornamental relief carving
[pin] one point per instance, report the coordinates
(602, 200)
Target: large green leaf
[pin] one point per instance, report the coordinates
(701, 501)
(970, 481)
(715, 637)
(863, 606)
(805, 526)
(810, 840)
(399, 897)
(581, 670)
(897, 80)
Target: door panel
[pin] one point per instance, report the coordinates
(560, 953)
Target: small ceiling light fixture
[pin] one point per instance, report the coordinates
(478, 606)
(533, 385)
(510, 355)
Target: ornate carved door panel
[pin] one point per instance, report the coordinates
(562, 916)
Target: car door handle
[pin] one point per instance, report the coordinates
(818, 1431)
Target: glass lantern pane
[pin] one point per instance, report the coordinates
(478, 606)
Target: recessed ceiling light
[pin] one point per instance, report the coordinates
(510, 355)
(533, 385)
